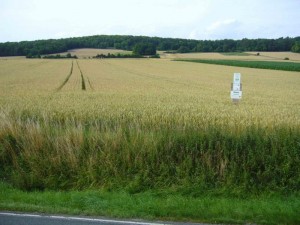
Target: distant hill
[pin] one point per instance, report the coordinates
(127, 42)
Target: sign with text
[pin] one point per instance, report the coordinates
(236, 88)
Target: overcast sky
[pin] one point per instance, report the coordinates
(193, 19)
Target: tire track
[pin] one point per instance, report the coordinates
(83, 87)
(92, 88)
(66, 80)
(83, 80)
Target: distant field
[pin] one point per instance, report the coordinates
(264, 56)
(280, 55)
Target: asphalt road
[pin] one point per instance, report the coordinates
(14, 218)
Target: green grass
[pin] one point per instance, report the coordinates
(156, 205)
(286, 66)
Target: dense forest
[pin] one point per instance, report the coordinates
(40, 47)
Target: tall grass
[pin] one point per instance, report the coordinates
(37, 152)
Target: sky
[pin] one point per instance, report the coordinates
(22, 20)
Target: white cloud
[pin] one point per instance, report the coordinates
(227, 28)
(196, 19)
(220, 24)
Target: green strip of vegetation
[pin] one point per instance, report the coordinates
(156, 205)
(122, 56)
(58, 56)
(286, 66)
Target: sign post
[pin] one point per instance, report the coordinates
(236, 88)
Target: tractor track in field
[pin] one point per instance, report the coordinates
(82, 77)
(76, 83)
(89, 82)
(83, 80)
(66, 80)
(83, 87)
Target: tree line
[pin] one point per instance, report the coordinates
(127, 42)
(122, 56)
(57, 56)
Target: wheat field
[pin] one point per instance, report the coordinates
(150, 87)
(143, 123)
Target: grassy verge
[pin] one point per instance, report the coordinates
(286, 66)
(162, 205)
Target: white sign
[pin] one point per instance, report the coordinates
(237, 78)
(236, 87)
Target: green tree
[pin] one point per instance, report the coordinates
(146, 45)
(183, 49)
(144, 49)
(296, 47)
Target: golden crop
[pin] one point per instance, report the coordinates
(147, 90)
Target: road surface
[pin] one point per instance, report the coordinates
(15, 218)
